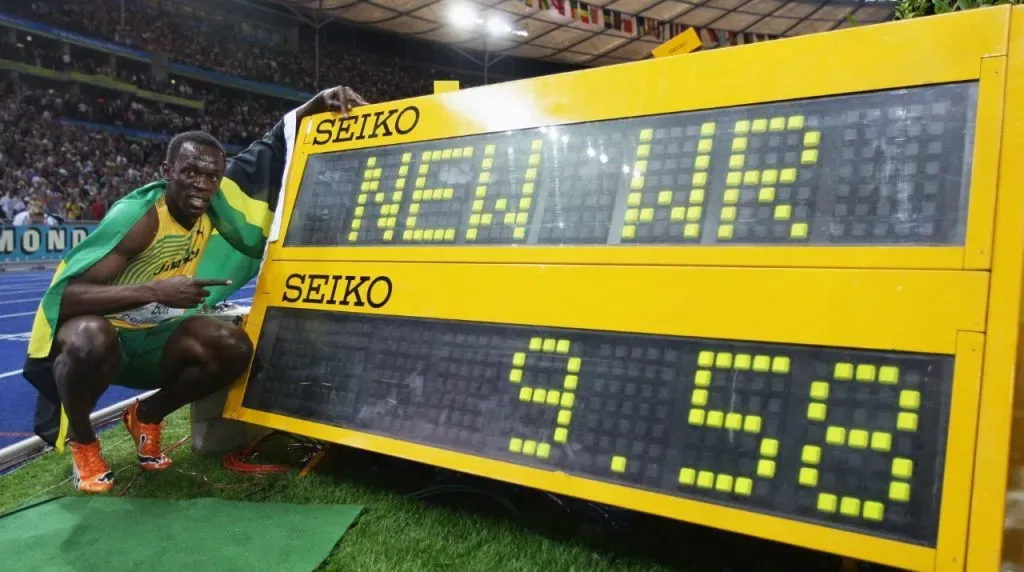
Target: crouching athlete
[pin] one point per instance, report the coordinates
(112, 326)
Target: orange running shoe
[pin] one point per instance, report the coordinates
(89, 469)
(147, 440)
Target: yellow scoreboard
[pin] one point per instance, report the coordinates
(774, 289)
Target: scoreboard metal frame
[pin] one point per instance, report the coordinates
(961, 300)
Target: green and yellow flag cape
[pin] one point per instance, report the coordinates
(242, 212)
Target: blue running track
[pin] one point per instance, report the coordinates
(20, 293)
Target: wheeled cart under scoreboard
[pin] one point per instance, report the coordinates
(774, 289)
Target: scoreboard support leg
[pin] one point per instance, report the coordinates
(212, 433)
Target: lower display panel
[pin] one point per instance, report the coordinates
(851, 439)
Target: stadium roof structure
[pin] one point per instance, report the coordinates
(555, 31)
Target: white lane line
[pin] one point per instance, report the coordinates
(19, 301)
(39, 280)
(10, 373)
(17, 314)
(39, 291)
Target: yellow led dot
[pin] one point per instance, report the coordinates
(646, 215)
(827, 502)
(536, 344)
(365, 186)
(888, 374)
(418, 196)
(699, 398)
(561, 435)
(734, 421)
(471, 234)
(481, 192)
(474, 220)
(533, 160)
(664, 197)
(519, 359)
(769, 177)
(524, 203)
(421, 182)
(723, 360)
(632, 215)
(899, 491)
(702, 378)
(691, 230)
(567, 400)
(525, 394)
(799, 230)
(817, 411)
(519, 233)
(634, 199)
(874, 510)
(699, 179)
(410, 221)
(769, 448)
(436, 155)
(809, 157)
(736, 161)
(759, 126)
(430, 234)
(783, 212)
(406, 157)
(751, 177)
(766, 468)
(777, 124)
(811, 455)
(742, 127)
(715, 419)
(414, 208)
(353, 236)
(407, 235)
(529, 447)
(835, 435)
(389, 234)
(705, 479)
(549, 345)
(910, 399)
(902, 468)
(571, 381)
(687, 476)
(788, 176)
(515, 445)
(707, 129)
(562, 347)
(425, 156)
(739, 144)
(762, 363)
(378, 198)
(643, 150)
(527, 189)
(696, 196)
(515, 376)
(678, 213)
(564, 417)
(744, 486)
(484, 177)
(731, 196)
(639, 167)
(552, 397)
(646, 135)
(728, 214)
(906, 421)
(530, 174)
(702, 162)
(487, 219)
(881, 441)
(467, 151)
(843, 371)
(574, 365)
(430, 194)
(637, 183)
(766, 195)
(500, 204)
(696, 417)
(382, 223)
(618, 464)
(723, 483)
(357, 224)
(865, 372)
(734, 178)
(424, 169)
(752, 424)
(858, 439)
(742, 362)
(705, 359)
(819, 390)
(704, 146)
(725, 231)
(794, 122)
(780, 364)
(447, 194)
(808, 477)
(812, 138)
(849, 506)
(543, 451)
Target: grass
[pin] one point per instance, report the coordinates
(419, 518)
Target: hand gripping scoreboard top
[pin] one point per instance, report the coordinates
(773, 289)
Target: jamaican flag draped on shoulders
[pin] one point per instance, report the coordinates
(243, 211)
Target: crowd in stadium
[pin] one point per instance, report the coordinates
(55, 167)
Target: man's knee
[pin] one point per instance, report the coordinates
(89, 341)
(223, 343)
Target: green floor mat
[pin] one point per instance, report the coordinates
(107, 533)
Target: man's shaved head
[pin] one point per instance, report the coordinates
(198, 137)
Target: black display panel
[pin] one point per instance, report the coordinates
(846, 438)
(887, 167)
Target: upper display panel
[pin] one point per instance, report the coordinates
(889, 167)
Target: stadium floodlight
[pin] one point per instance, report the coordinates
(463, 16)
(497, 26)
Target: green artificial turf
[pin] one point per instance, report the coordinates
(419, 518)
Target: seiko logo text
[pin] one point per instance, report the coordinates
(372, 291)
(367, 125)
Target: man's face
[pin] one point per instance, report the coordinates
(194, 178)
